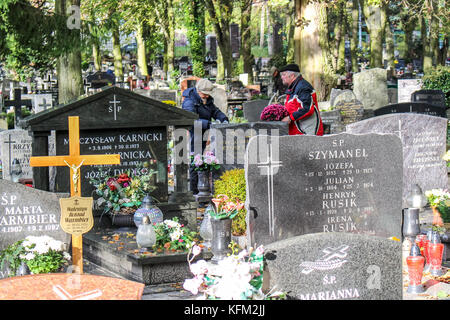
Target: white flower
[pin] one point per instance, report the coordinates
(199, 268)
(67, 256)
(193, 285)
(172, 224)
(196, 250)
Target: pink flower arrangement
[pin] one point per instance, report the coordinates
(274, 112)
(207, 162)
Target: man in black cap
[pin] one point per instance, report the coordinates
(301, 103)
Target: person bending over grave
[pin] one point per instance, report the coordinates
(301, 103)
(199, 100)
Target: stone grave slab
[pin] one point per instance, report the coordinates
(163, 95)
(253, 109)
(370, 87)
(16, 144)
(220, 99)
(350, 108)
(335, 266)
(40, 102)
(188, 82)
(25, 211)
(412, 107)
(332, 121)
(423, 139)
(434, 97)
(406, 87)
(336, 183)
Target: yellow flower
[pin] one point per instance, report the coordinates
(446, 157)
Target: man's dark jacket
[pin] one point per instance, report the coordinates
(206, 112)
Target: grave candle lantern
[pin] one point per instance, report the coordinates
(415, 270)
(416, 199)
(435, 251)
(147, 208)
(411, 226)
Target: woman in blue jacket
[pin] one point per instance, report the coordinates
(199, 101)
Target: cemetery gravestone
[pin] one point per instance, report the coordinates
(26, 211)
(335, 266)
(40, 102)
(220, 99)
(188, 83)
(112, 121)
(412, 107)
(424, 141)
(338, 183)
(16, 145)
(434, 97)
(406, 87)
(235, 40)
(350, 108)
(163, 95)
(370, 87)
(332, 121)
(253, 109)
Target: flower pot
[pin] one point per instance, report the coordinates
(437, 220)
(204, 188)
(221, 238)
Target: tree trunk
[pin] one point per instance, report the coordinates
(246, 45)
(354, 37)
(221, 22)
(171, 40)
(290, 27)
(298, 30)
(70, 83)
(196, 34)
(118, 66)
(339, 31)
(311, 54)
(389, 36)
(262, 26)
(427, 52)
(141, 56)
(328, 76)
(374, 24)
(96, 56)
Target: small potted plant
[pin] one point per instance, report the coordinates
(439, 201)
(41, 254)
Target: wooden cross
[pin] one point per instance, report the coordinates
(74, 160)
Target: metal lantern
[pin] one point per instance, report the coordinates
(415, 270)
(411, 226)
(147, 208)
(145, 236)
(206, 227)
(416, 199)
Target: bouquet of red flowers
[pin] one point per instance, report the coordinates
(274, 112)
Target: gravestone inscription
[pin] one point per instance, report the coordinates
(25, 211)
(336, 183)
(335, 266)
(135, 147)
(16, 145)
(406, 87)
(434, 97)
(163, 95)
(423, 139)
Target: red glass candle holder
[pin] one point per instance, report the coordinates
(415, 272)
(420, 239)
(426, 255)
(435, 251)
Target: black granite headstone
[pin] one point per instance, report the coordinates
(336, 183)
(412, 107)
(433, 97)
